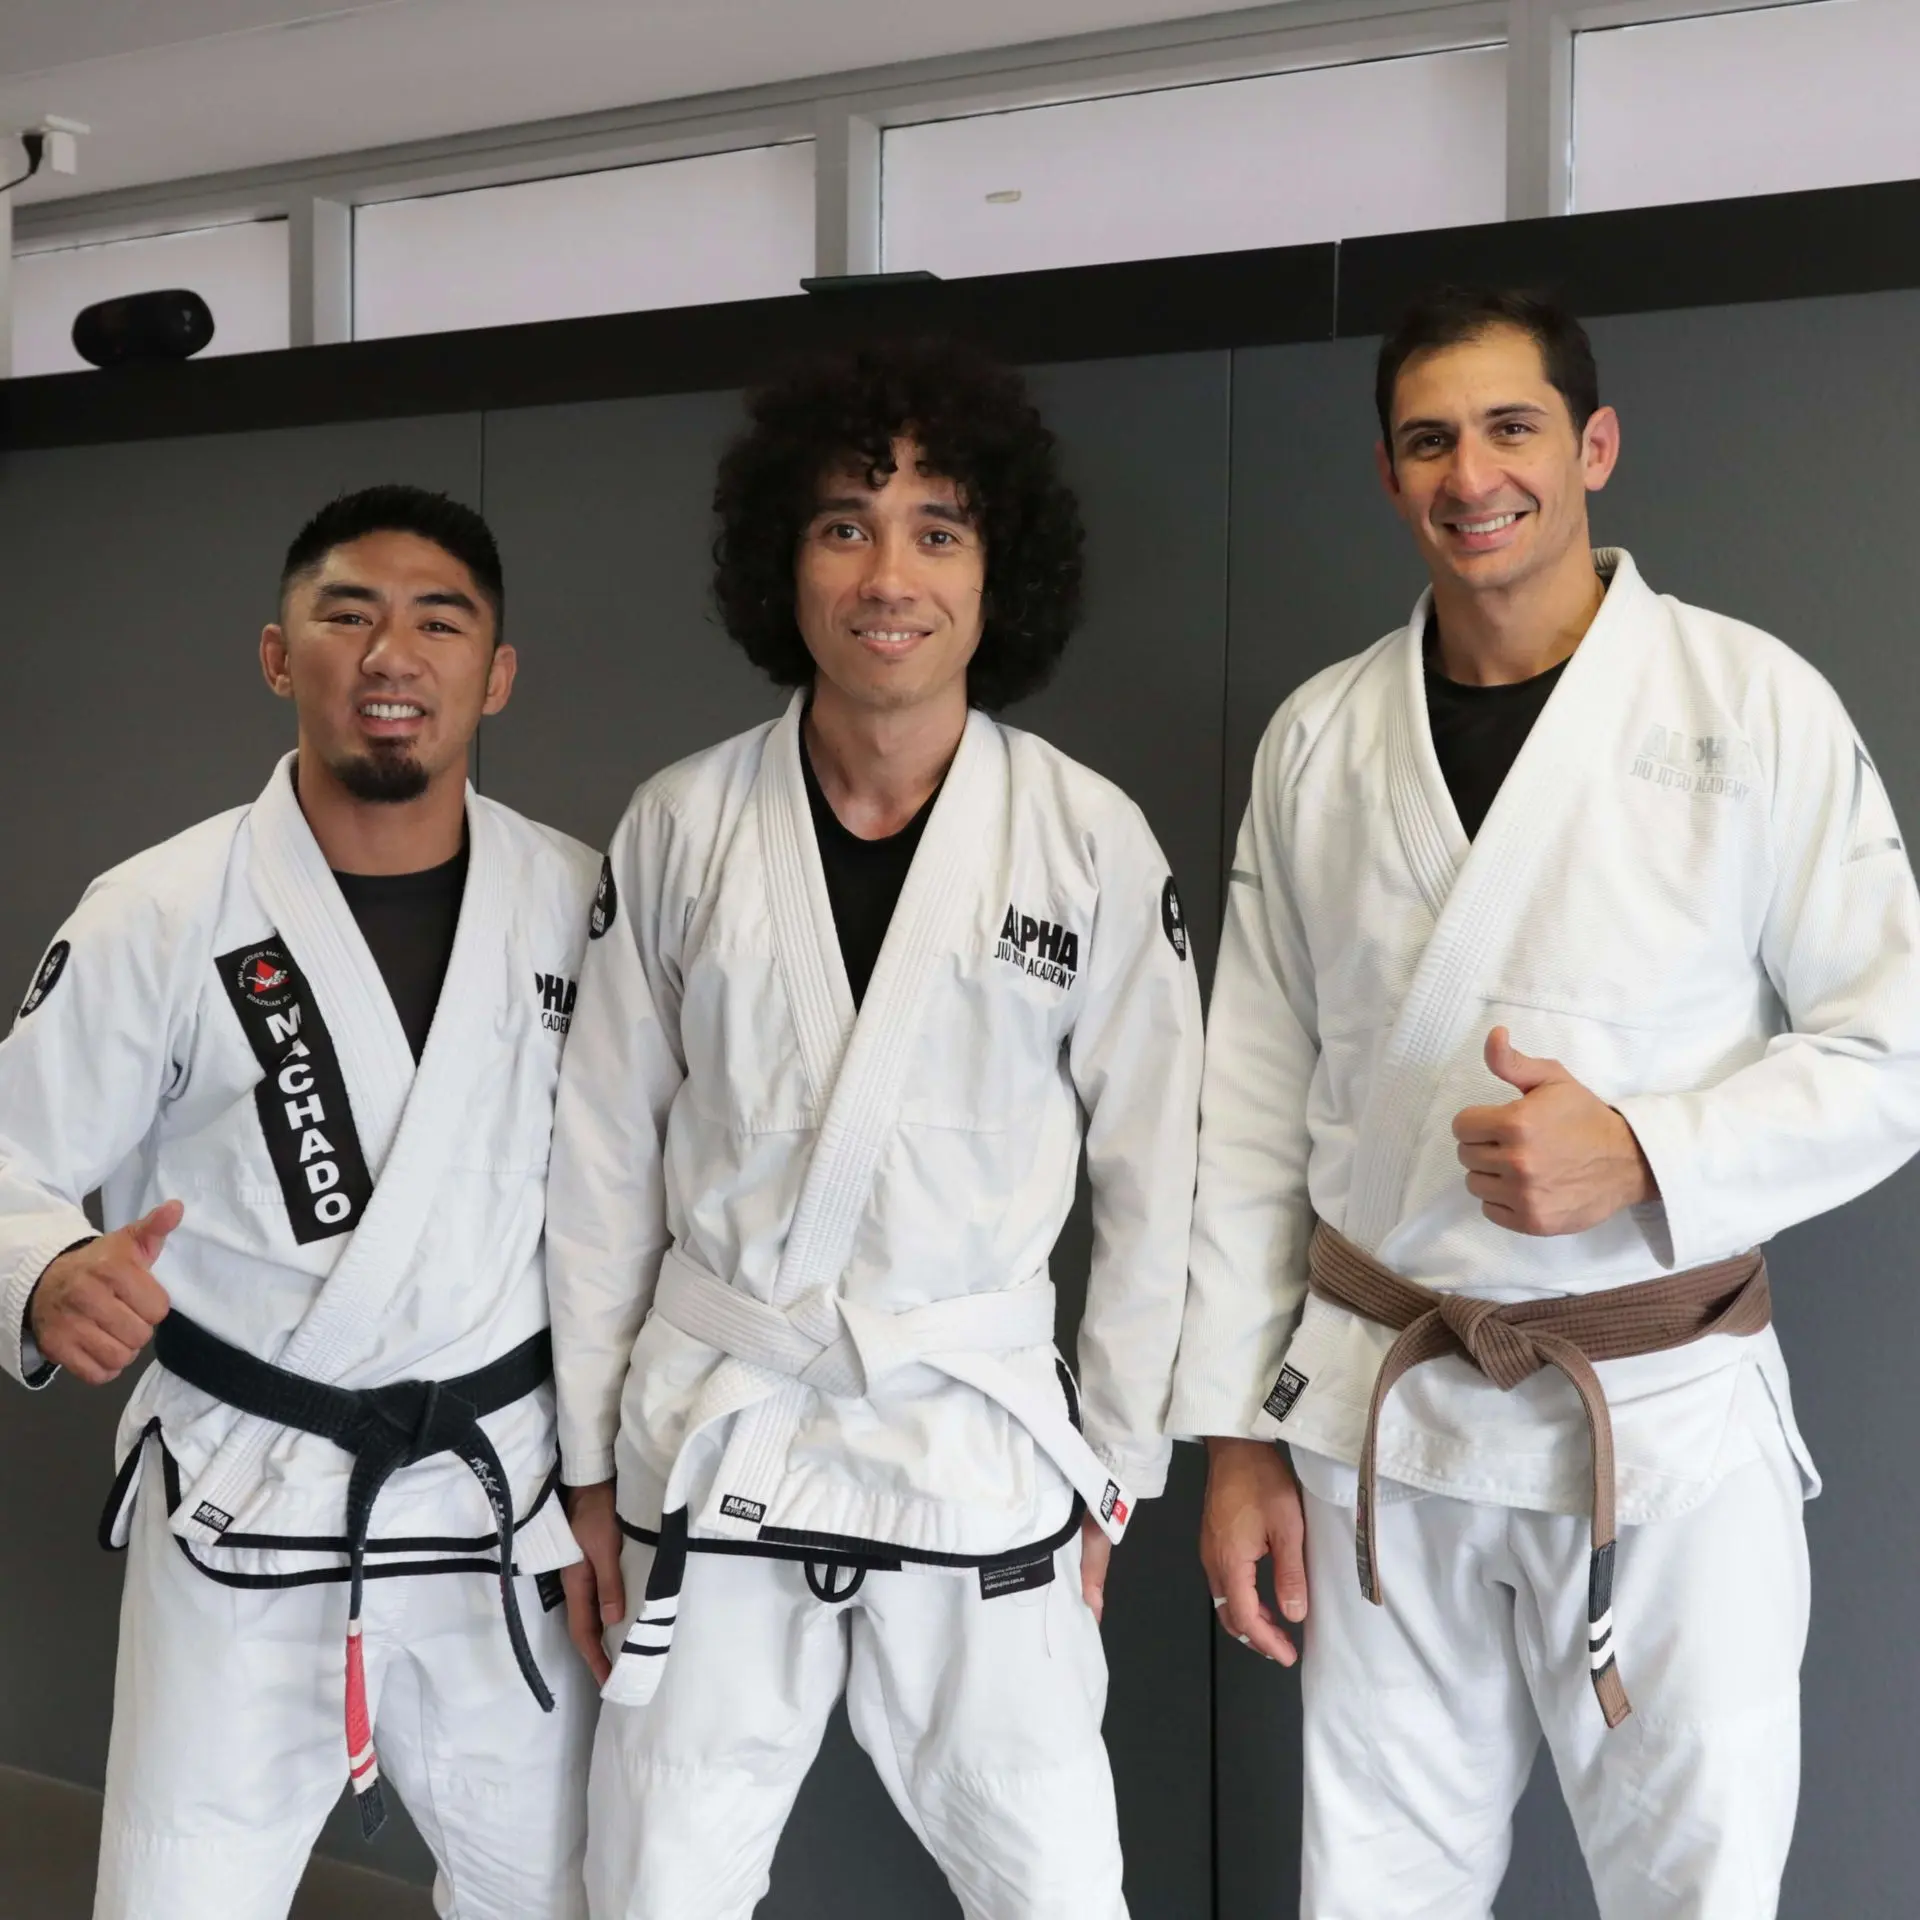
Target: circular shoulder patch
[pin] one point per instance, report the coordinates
(606, 901)
(1173, 918)
(44, 982)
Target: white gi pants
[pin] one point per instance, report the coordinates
(229, 1739)
(1422, 1716)
(982, 1718)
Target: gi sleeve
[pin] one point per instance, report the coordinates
(1134, 1055)
(606, 1192)
(95, 1049)
(1252, 1218)
(1833, 1105)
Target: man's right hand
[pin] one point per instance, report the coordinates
(1252, 1511)
(96, 1306)
(596, 1594)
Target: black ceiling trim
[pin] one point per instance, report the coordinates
(1778, 246)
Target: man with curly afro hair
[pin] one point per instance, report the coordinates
(862, 982)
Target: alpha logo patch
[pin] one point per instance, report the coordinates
(1173, 918)
(1112, 1507)
(1286, 1390)
(606, 901)
(301, 1097)
(737, 1508)
(1042, 948)
(211, 1516)
(44, 982)
(557, 995)
(552, 1591)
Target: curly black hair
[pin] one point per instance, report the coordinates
(976, 426)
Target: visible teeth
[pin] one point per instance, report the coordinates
(391, 710)
(875, 633)
(1494, 525)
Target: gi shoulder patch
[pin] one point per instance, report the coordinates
(1173, 918)
(1286, 1390)
(302, 1094)
(44, 982)
(606, 901)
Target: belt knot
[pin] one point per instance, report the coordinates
(1502, 1351)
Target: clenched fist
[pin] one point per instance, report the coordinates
(96, 1307)
(1558, 1159)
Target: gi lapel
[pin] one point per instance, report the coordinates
(858, 1066)
(1492, 885)
(407, 1138)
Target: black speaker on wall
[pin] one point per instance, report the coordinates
(171, 325)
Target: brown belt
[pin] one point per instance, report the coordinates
(1509, 1344)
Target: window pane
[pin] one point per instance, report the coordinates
(240, 271)
(724, 226)
(1816, 95)
(1377, 147)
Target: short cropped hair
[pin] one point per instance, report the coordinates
(452, 526)
(1447, 316)
(976, 426)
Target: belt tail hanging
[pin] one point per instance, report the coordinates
(643, 1653)
(363, 1764)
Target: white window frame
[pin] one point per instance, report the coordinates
(845, 114)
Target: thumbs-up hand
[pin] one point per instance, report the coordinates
(96, 1306)
(1556, 1160)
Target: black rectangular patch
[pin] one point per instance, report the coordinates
(735, 1508)
(551, 1589)
(302, 1096)
(1020, 1578)
(210, 1516)
(1286, 1390)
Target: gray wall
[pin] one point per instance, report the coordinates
(1238, 542)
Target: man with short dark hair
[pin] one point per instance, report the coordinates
(307, 1052)
(1506, 1306)
(863, 980)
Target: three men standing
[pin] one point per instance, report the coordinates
(856, 990)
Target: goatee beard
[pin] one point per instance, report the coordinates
(386, 779)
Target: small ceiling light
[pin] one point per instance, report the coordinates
(1004, 198)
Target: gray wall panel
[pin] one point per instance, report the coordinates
(1767, 474)
(602, 513)
(137, 579)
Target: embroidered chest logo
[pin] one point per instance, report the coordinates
(1716, 764)
(302, 1095)
(557, 995)
(1042, 948)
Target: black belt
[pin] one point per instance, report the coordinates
(384, 1428)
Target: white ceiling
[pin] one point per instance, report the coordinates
(202, 86)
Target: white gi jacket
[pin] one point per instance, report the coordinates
(722, 1106)
(347, 1217)
(1691, 891)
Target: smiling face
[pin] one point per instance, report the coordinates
(387, 651)
(889, 585)
(1486, 466)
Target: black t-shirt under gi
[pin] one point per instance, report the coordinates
(409, 920)
(1478, 732)
(864, 878)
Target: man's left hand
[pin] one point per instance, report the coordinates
(1096, 1554)
(1558, 1159)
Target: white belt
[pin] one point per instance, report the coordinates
(835, 1346)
